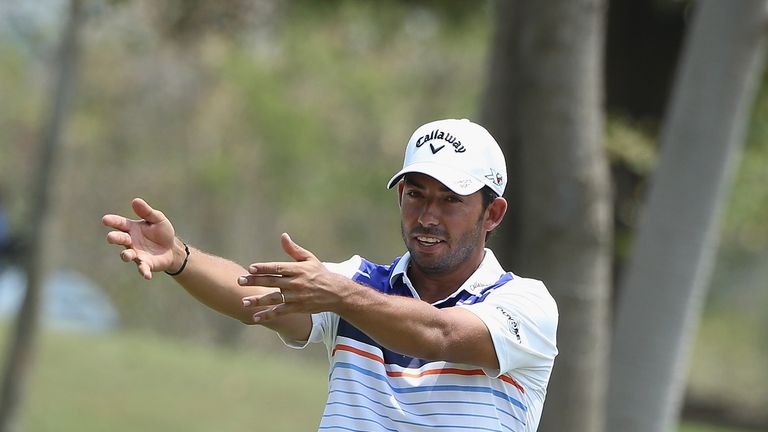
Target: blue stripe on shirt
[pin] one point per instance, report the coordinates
(472, 389)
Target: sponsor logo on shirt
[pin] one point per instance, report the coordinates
(477, 286)
(514, 327)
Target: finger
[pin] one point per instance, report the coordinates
(144, 211)
(265, 315)
(250, 280)
(294, 250)
(253, 280)
(119, 238)
(272, 269)
(128, 255)
(116, 221)
(144, 270)
(274, 312)
(271, 299)
(252, 300)
(264, 281)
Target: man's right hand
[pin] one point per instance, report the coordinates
(148, 241)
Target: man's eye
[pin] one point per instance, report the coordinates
(452, 198)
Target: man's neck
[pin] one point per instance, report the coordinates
(435, 287)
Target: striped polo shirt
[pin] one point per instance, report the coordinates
(374, 389)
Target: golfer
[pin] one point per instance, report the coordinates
(443, 338)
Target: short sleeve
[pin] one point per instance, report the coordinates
(521, 317)
(320, 324)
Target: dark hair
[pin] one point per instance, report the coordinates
(488, 196)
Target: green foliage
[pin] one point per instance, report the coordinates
(745, 227)
(741, 273)
(698, 427)
(630, 144)
(631, 150)
(19, 113)
(729, 337)
(294, 124)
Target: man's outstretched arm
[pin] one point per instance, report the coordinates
(151, 243)
(404, 325)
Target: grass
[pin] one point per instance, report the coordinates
(127, 382)
(695, 427)
(130, 382)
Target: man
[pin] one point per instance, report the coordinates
(441, 339)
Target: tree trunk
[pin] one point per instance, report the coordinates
(544, 103)
(20, 350)
(674, 247)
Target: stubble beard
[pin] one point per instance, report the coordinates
(451, 259)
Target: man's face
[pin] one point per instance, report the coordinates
(441, 229)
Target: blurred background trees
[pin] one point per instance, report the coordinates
(32, 257)
(701, 138)
(243, 119)
(544, 103)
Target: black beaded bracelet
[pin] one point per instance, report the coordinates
(183, 264)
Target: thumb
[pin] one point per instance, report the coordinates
(144, 211)
(295, 251)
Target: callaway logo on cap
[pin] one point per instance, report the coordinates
(458, 153)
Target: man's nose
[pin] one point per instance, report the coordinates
(429, 214)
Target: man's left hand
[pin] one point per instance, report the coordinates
(305, 286)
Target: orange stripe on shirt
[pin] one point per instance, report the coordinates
(453, 371)
(358, 351)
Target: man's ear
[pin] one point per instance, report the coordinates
(400, 187)
(495, 213)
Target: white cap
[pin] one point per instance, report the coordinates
(460, 154)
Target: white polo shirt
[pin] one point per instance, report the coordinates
(374, 389)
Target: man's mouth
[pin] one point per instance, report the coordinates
(428, 241)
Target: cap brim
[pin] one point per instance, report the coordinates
(457, 181)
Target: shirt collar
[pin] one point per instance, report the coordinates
(486, 275)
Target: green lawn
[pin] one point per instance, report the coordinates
(135, 382)
(705, 428)
(139, 383)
